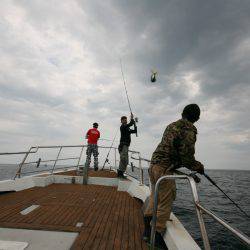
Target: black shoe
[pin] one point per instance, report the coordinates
(159, 241)
(122, 176)
(147, 228)
(96, 168)
(119, 173)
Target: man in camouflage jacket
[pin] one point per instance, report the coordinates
(176, 149)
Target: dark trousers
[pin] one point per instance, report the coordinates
(123, 158)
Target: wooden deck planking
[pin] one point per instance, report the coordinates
(96, 233)
(111, 219)
(92, 221)
(114, 225)
(104, 219)
(103, 228)
(118, 235)
(131, 225)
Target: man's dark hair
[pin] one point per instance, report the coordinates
(123, 117)
(191, 112)
(95, 125)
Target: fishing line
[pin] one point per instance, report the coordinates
(213, 182)
(125, 87)
(126, 91)
(107, 157)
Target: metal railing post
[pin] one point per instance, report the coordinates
(85, 171)
(115, 158)
(52, 171)
(141, 171)
(18, 172)
(154, 217)
(199, 214)
(196, 200)
(80, 156)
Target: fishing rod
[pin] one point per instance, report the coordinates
(213, 182)
(107, 157)
(126, 91)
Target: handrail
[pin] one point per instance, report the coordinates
(20, 153)
(199, 209)
(34, 149)
(141, 158)
(243, 237)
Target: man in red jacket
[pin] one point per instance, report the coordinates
(92, 135)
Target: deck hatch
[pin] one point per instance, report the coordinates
(13, 245)
(29, 209)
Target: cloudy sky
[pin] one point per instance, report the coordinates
(60, 72)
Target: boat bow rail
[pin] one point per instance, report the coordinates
(60, 158)
(199, 210)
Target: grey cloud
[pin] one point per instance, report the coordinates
(29, 94)
(77, 44)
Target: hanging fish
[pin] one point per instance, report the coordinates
(153, 76)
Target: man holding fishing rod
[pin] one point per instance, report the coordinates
(176, 149)
(125, 141)
(125, 134)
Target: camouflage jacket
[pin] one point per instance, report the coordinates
(177, 147)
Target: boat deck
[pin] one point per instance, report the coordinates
(91, 173)
(104, 217)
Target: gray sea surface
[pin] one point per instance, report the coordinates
(8, 171)
(235, 183)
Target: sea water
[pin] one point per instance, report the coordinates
(235, 183)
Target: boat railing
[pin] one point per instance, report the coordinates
(199, 210)
(59, 158)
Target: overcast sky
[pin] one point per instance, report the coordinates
(60, 72)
